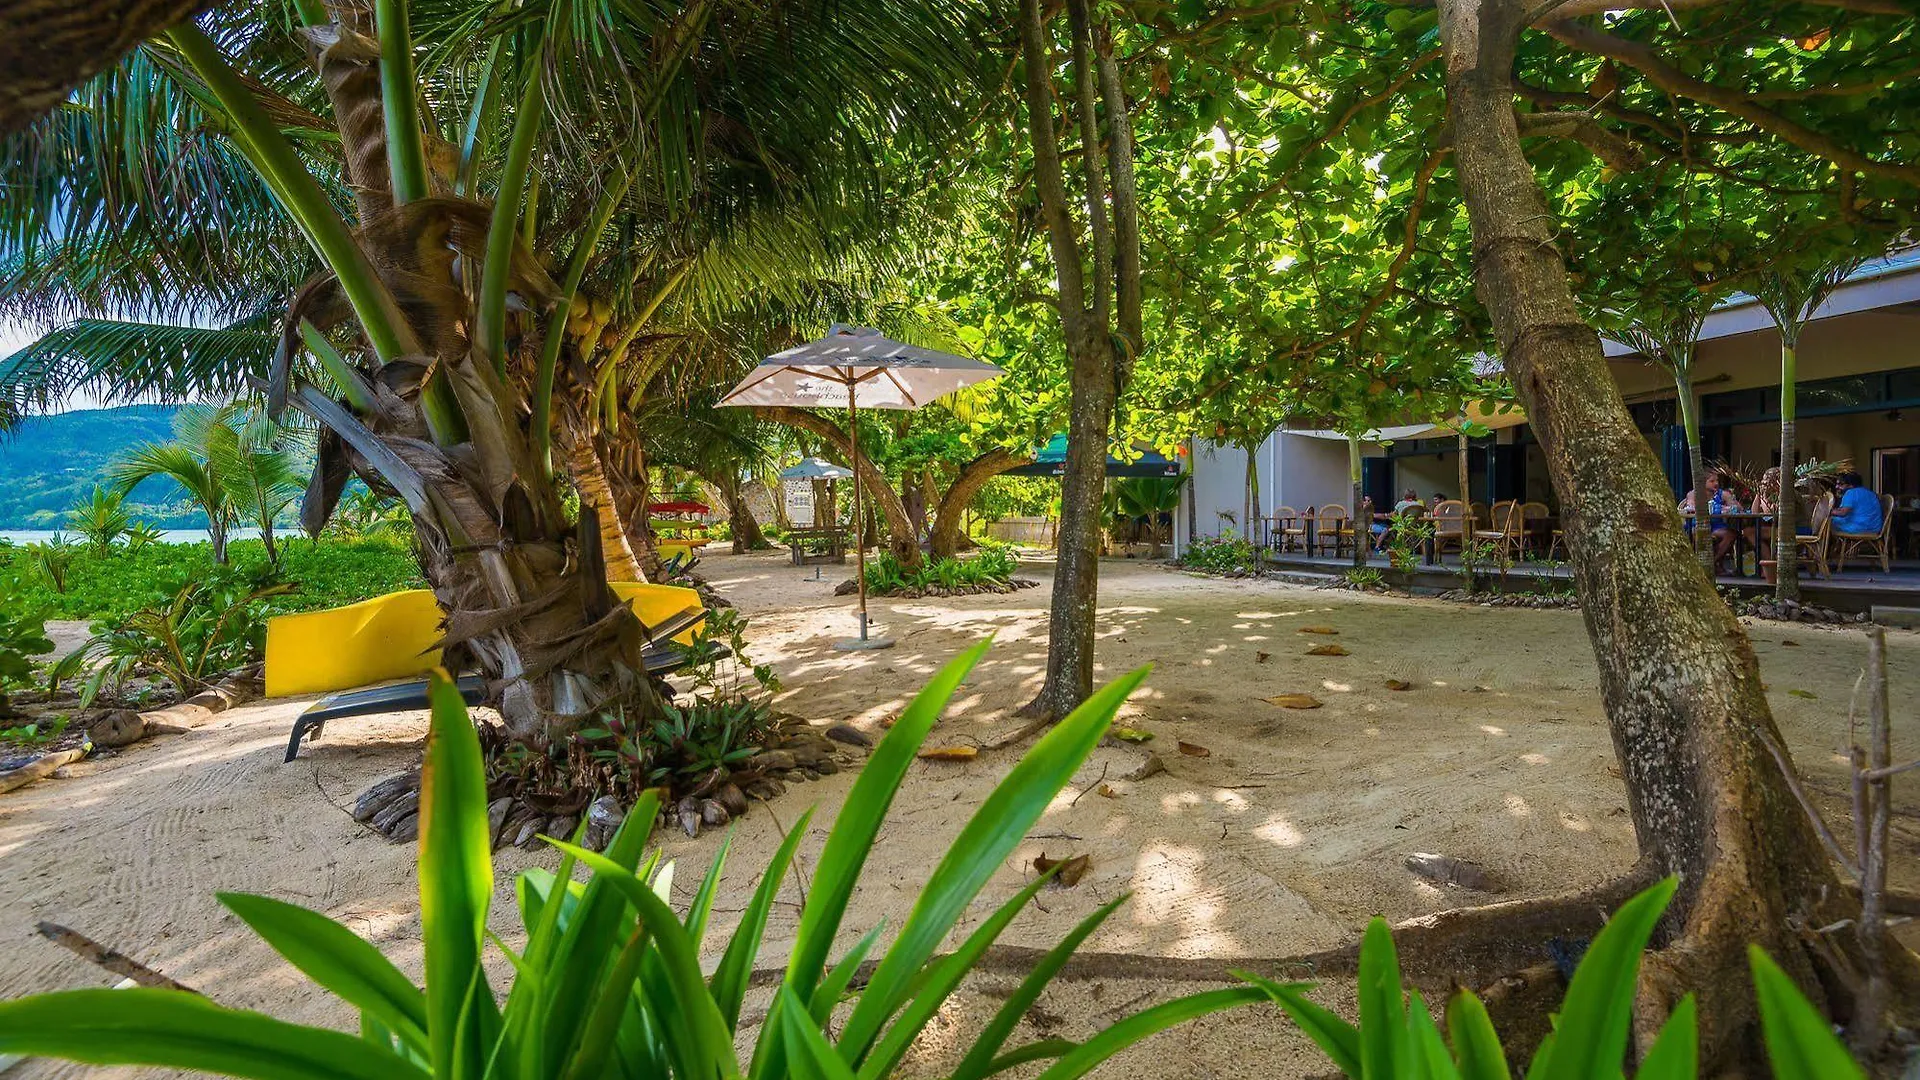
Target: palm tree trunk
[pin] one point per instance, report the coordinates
(217, 536)
(1682, 690)
(1702, 535)
(52, 46)
(266, 539)
(590, 480)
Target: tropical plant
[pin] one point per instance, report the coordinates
(990, 568)
(1407, 536)
(230, 463)
(140, 534)
(100, 520)
(1220, 555)
(212, 625)
(1149, 498)
(609, 980)
(252, 457)
(53, 559)
(23, 636)
(1397, 1038)
(365, 513)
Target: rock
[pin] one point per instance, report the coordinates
(407, 803)
(826, 767)
(530, 831)
(496, 817)
(517, 821)
(1151, 765)
(772, 761)
(846, 588)
(381, 795)
(847, 733)
(688, 812)
(765, 790)
(807, 773)
(1447, 870)
(712, 814)
(406, 830)
(808, 756)
(561, 826)
(733, 799)
(603, 820)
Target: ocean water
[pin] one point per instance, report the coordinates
(167, 536)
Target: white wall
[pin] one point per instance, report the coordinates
(1295, 471)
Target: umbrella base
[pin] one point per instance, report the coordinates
(864, 644)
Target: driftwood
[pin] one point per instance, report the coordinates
(123, 727)
(39, 767)
(112, 959)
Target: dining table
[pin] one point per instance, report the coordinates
(1740, 522)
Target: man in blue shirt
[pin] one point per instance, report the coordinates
(1858, 511)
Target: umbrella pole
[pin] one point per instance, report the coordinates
(859, 519)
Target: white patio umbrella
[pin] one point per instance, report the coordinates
(852, 367)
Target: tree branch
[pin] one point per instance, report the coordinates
(1092, 161)
(1619, 153)
(1126, 201)
(1641, 58)
(1047, 177)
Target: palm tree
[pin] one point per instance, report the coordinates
(190, 461)
(102, 519)
(252, 459)
(585, 140)
(1150, 497)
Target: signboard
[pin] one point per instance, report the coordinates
(799, 502)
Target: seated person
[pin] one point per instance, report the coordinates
(1409, 499)
(1720, 500)
(1858, 511)
(1434, 503)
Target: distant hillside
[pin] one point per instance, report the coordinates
(49, 463)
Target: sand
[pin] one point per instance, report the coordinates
(1286, 838)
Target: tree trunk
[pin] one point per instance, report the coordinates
(1362, 520)
(1677, 674)
(596, 493)
(744, 526)
(1466, 506)
(1076, 569)
(1702, 534)
(945, 536)
(48, 47)
(1786, 549)
(266, 540)
(626, 472)
(217, 536)
(904, 543)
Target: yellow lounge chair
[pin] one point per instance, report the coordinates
(393, 637)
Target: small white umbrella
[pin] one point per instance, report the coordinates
(854, 366)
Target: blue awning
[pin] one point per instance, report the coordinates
(1052, 461)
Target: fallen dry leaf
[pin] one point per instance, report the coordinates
(1071, 870)
(1808, 694)
(1106, 791)
(1317, 630)
(1790, 643)
(1295, 701)
(1262, 657)
(950, 753)
(1614, 771)
(1152, 766)
(1194, 749)
(1131, 734)
(1328, 650)
(1399, 684)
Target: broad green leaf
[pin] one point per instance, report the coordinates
(1597, 1013)
(172, 1029)
(981, 1060)
(339, 960)
(1118, 1036)
(588, 1060)
(1383, 1010)
(1800, 1042)
(1337, 1038)
(704, 1032)
(729, 983)
(811, 1057)
(1033, 1051)
(838, 869)
(1427, 1050)
(1476, 1046)
(702, 908)
(456, 881)
(979, 851)
(840, 976)
(941, 981)
(1675, 1054)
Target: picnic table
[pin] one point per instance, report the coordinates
(815, 546)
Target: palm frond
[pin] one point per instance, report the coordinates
(127, 361)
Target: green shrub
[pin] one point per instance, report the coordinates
(23, 636)
(130, 578)
(211, 625)
(991, 567)
(101, 519)
(1220, 555)
(1397, 1037)
(609, 983)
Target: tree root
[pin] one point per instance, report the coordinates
(1472, 946)
(43, 766)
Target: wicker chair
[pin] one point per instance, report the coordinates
(1530, 537)
(1506, 534)
(1287, 530)
(1451, 526)
(1335, 527)
(1814, 546)
(1873, 543)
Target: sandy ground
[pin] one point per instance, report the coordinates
(1285, 839)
